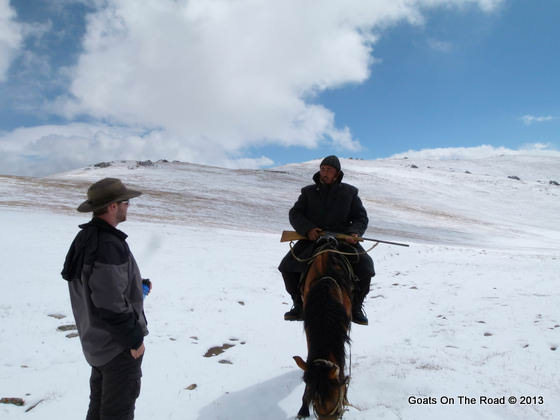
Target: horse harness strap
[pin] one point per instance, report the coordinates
(323, 251)
(336, 412)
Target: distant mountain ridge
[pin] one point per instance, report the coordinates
(485, 201)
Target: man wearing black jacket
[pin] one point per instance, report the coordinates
(328, 205)
(107, 301)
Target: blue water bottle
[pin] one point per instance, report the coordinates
(145, 287)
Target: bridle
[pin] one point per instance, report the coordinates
(338, 410)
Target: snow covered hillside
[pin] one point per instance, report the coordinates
(471, 309)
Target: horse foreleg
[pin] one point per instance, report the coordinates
(305, 401)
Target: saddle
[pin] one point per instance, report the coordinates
(328, 243)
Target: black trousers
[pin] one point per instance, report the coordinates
(114, 388)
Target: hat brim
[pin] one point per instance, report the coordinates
(87, 206)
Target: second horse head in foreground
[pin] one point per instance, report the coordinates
(327, 312)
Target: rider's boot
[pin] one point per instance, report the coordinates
(294, 314)
(291, 281)
(358, 313)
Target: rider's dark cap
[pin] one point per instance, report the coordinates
(332, 161)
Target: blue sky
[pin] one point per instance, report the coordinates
(246, 84)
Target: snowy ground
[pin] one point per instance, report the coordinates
(448, 318)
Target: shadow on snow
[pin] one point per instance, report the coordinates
(260, 401)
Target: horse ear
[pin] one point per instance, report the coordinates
(333, 374)
(299, 361)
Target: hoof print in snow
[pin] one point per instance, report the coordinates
(191, 387)
(214, 351)
(57, 316)
(68, 327)
(487, 334)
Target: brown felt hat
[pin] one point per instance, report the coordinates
(105, 192)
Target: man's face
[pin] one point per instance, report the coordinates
(328, 174)
(122, 209)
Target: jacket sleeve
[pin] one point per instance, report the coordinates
(108, 282)
(358, 216)
(298, 220)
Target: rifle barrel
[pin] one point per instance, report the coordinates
(384, 242)
(343, 235)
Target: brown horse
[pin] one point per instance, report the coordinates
(327, 309)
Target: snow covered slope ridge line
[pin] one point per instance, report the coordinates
(492, 201)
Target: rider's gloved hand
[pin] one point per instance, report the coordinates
(314, 234)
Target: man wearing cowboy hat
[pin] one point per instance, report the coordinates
(107, 302)
(334, 206)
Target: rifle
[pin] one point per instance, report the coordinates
(290, 235)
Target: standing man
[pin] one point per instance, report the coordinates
(107, 301)
(328, 205)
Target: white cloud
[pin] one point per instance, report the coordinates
(531, 119)
(478, 152)
(10, 37)
(236, 72)
(49, 149)
(439, 45)
(209, 78)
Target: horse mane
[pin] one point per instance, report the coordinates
(327, 325)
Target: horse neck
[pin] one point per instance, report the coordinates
(326, 319)
(319, 266)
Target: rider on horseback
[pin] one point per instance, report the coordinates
(328, 205)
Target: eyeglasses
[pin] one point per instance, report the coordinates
(125, 202)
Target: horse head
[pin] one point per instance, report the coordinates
(325, 389)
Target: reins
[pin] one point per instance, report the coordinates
(323, 251)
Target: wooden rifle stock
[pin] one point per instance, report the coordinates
(290, 235)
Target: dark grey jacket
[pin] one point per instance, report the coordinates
(105, 291)
(334, 208)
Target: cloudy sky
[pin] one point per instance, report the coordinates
(256, 83)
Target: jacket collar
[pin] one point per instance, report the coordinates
(103, 225)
